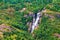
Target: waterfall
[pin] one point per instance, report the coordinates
(35, 21)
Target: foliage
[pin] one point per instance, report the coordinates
(15, 35)
(46, 30)
(10, 14)
(54, 7)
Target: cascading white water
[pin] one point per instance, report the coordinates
(35, 23)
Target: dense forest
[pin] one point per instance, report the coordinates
(17, 15)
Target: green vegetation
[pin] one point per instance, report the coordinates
(13, 12)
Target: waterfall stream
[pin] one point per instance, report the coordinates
(35, 21)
